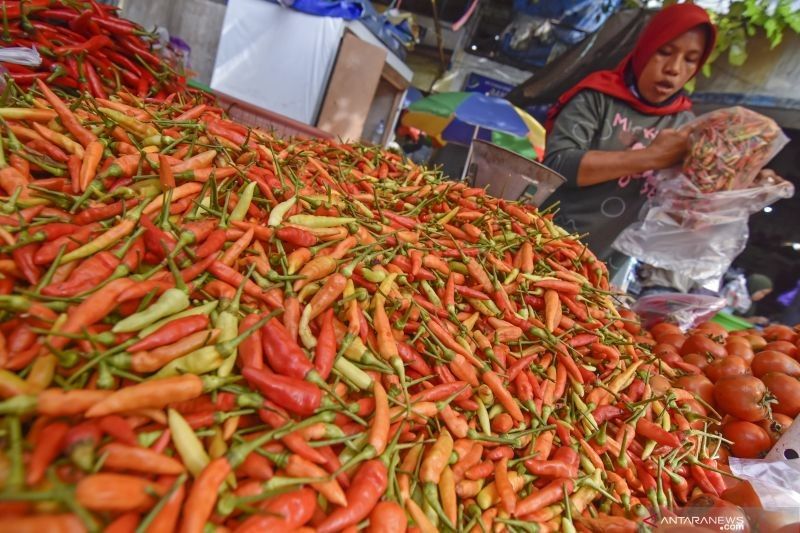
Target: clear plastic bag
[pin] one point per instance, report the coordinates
(736, 294)
(728, 147)
(695, 233)
(19, 55)
(685, 310)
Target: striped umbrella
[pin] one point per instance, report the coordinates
(460, 117)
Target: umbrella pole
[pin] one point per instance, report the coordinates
(468, 175)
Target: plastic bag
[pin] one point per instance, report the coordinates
(728, 147)
(777, 484)
(697, 234)
(19, 55)
(735, 293)
(685, 310)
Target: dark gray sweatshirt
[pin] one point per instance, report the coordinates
(595, 121)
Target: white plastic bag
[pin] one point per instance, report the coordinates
(19, 55)
(728, 147)
(685, 310)
(697, 234)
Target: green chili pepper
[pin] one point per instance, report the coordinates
(280, 210)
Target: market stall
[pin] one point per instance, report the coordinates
(208, 326)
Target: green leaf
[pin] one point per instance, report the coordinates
(737, 55)
(776, 40)
(771, 27)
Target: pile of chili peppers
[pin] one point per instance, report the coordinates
(85, 47)
(204, 324)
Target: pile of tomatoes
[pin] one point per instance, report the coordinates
(749, 377)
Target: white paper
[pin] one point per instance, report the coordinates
(276, 58)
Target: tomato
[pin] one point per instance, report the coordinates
(693, 406)
(674, 339)
(779, 332)
(757, 342)
(733, 365)
(749, 440)
(699, 343)
(632, 324)
(712, 329)
(742, 494)
(740, 348)
(741, 396)
(784, 347)
(664, 328)
(659, 384)
(776, 427)
(700, 361)
(667, 353)
(771, 361)
(700, 386)
(647, 341)
(786, 390)
(715, 510)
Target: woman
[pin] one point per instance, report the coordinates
(614, 128)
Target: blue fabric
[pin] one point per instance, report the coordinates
(328, 8)
(493, 113)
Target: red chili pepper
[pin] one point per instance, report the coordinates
(24, 259)
(81, 441)
(325, 351)
(171, 332)
(296, 396)
(282, 513)
(156, 240)
(118, 428)
(365, 491)
(225, 401)
(283, 353)
(49, 446)
(603, 413)
(652, 431)
(104, 212)
(274, 416)
(296, 236)
(95, 84)
(212, 244)
(92, 271)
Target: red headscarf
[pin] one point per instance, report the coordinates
(666, 25)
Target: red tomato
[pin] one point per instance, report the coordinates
(779, 332)
(733, 365)
(776, 427)
(782, 346)
(772, 361)
(757, 342)
(749, 440)
(700, 361)
(674, 339)
(741, 396)
(713, 507)
(786, 390)
(698, 385)
(739, 346)
(702, 344)
(665, 328)
(712, 329)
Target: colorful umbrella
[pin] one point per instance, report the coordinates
(461, 117)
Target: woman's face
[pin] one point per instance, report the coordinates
(672, 66)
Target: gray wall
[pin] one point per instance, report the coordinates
(198, 22)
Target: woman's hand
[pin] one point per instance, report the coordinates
(668, 148)
(768, 176)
